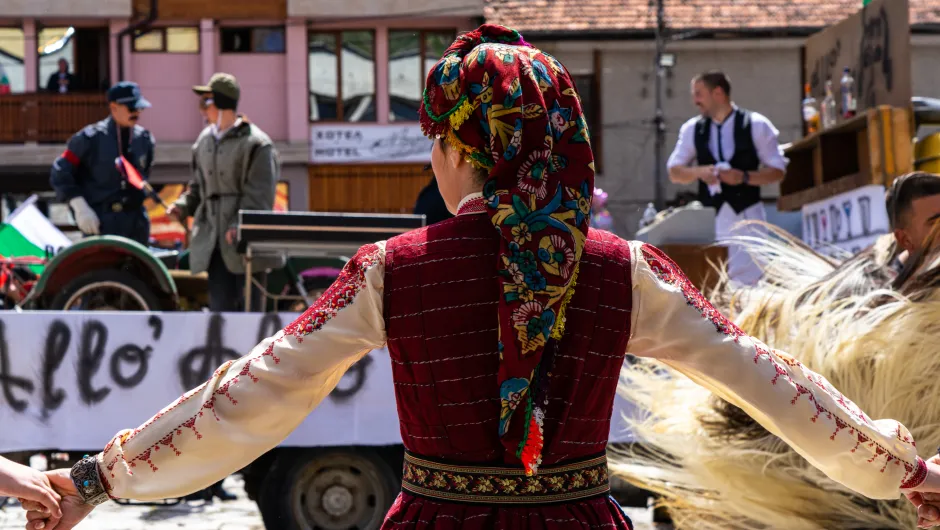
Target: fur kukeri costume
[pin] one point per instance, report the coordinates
(873, 331)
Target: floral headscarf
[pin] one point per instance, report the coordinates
(512, 110)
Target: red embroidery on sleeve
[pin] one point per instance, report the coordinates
(168, 441)
(670, 273)
(917, 476)
(106, 484)
(339, 295)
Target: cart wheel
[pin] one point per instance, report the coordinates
(106, 290)
(328, 490)
(315, 287)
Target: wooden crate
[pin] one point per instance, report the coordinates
(872, 148)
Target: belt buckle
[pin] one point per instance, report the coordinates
(117, 207)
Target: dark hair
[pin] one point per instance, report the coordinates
(714, 79)
(905, 190)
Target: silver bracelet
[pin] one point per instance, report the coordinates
(88, 482)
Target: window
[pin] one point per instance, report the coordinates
(12, 70)
(253, 40)
(151, 41)
(411, 54)
(168, 40)
(342, 85)
(55, 44)
(588, 88)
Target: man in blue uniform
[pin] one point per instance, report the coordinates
(87, 175)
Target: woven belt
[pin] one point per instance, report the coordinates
(499, 485)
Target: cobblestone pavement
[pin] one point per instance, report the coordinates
(241, 514)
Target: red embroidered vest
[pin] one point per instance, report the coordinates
(440, 316)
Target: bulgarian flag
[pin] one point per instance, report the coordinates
(27, 233)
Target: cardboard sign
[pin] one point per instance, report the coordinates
(875, 44)
(850, 221)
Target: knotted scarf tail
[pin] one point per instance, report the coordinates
(530, 450)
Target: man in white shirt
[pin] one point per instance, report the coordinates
(736, 151)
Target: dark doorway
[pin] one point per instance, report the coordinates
(92, 59)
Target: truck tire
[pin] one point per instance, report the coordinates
(117, 288)
(332, 489)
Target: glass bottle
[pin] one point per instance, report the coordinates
(829, 107)
(847, 87)
(810, 111)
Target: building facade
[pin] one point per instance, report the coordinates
(335, 84)
(758, 43)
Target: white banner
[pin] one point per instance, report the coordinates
(342, 143)
(851, 221)
(71, 380)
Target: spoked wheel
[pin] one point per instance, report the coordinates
(336, 490)
(106, 290)
(106, 296)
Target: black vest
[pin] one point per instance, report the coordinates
(745, 158)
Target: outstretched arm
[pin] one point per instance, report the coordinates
(250, 405)
(674, 323)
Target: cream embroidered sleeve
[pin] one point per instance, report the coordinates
(250, 405)
(674, 323)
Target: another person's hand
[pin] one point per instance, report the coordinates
(28, 485)
(73, 509)
(231, 235)
(926, 496)
(731, 177)
(86, 218)
(928, 508)
(174, 212)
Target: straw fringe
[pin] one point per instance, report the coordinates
(715, 468)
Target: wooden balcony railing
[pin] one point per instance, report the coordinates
(48, 117)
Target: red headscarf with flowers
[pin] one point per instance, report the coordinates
(513, 111)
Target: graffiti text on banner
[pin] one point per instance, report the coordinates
(71, 380)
